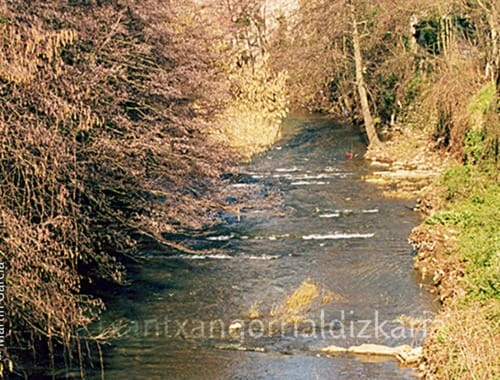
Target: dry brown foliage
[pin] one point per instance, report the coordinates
(446, 99)
(466, 340)
(307, 297)
(100, 141)
(257, 104)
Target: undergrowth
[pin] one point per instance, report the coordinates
(100, 144)
(106, 139)
(474, 201)
(465, 334)
(459, 243)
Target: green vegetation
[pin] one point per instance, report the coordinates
(481, 141)
(465, 333)
(472, 210)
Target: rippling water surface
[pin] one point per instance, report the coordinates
(334, 229)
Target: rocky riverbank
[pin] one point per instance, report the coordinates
(455, 199)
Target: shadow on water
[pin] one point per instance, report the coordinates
(335, 230)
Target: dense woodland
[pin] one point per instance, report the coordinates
(119, 117)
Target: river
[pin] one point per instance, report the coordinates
(333, 230)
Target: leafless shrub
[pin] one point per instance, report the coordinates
(100, 139)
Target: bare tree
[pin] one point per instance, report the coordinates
(360, 83)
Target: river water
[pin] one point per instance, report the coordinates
(333, 230)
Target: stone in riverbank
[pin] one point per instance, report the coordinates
(406, 165)
(404, 354)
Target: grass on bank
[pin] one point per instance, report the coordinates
(473, 211)
(464, 342)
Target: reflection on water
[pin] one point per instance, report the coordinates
(210, 316)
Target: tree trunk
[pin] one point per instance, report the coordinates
(495, 54)
(360, 83)
(492, 15)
